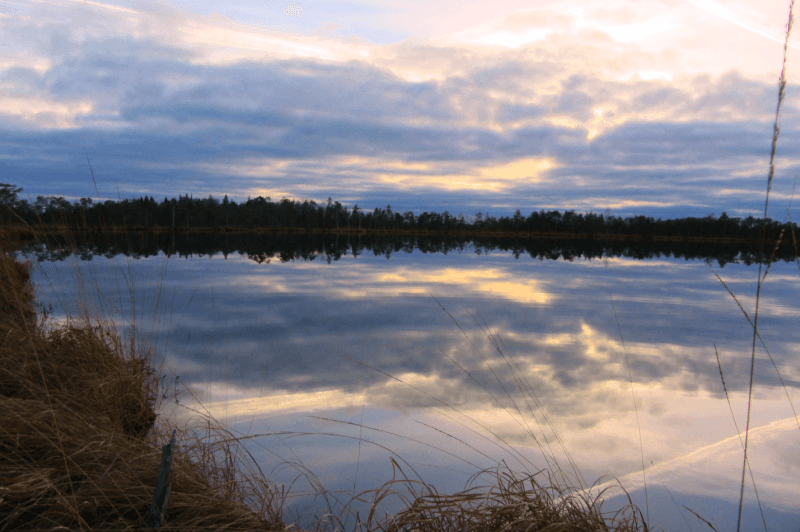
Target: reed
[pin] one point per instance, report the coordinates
(79, 441)
(761, 278)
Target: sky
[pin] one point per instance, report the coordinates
(656, 107)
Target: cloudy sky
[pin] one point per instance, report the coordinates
(660, 107)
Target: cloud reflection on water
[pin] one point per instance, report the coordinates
(264, 346)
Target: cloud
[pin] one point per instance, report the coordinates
(154, 94)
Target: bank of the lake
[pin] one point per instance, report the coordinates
(78, 228)
(80, 445)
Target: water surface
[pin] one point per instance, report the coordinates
(456, 362)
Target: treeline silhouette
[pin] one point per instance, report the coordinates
(190, 214)
(264, 248)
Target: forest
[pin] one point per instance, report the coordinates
(187, 213)
(265, 248)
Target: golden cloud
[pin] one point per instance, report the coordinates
(45, 113)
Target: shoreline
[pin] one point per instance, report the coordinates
(29, 233)
(80, 441)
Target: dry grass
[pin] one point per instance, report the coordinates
(78, 438)
(759, 284)
(513, 503)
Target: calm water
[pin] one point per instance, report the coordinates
(455, 362)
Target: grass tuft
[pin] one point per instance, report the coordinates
(79, 442)
(514, 503)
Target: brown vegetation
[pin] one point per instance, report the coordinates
(78, 438)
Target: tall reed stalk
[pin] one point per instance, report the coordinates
(775, 132)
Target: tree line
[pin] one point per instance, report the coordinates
(265, 248)
(187, 213)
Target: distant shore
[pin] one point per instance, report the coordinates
(26, 233)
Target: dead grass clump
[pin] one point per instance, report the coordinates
(16, 294)
(12, 237)
(77, 440)
(513, 504)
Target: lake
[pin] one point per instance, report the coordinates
(455, 362)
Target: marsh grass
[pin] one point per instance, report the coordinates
(515, 502)
(782, 80)
(496, 499)
(80, 438)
